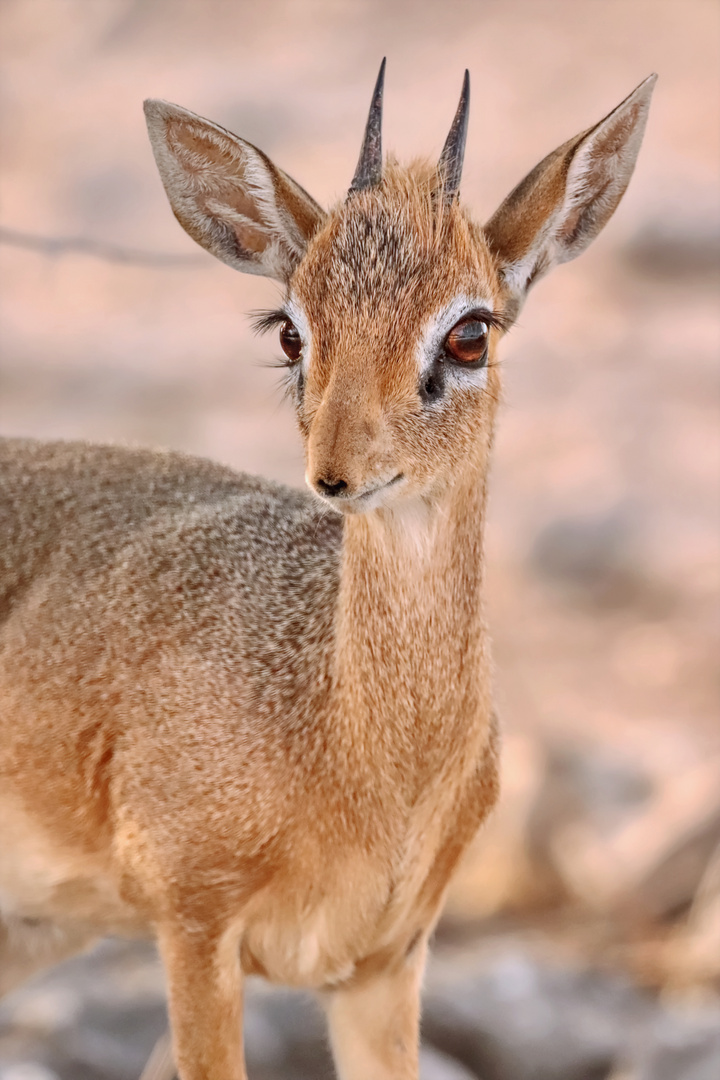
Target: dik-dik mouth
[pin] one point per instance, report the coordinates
(356, 502)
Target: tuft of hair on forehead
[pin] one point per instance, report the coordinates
(399, 241)
(413, 193)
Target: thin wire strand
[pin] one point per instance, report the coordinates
(58, 246)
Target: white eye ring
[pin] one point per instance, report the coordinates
(435, 334)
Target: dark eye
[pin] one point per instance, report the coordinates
(467, 342)
(290, 341)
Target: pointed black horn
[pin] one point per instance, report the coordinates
(369, 167)
(451, 160)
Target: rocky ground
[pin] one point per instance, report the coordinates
(582, 937)
(499, 1011)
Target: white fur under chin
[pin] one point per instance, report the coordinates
(412, 525)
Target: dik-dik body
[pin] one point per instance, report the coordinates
(258, 723)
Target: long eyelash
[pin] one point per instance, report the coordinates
(264, 321)
(493, 318)
(280, 365)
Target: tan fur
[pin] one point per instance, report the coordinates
(231, 716)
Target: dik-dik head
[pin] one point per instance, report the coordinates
(395, 299)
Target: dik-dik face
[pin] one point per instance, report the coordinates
(390, 332)
(395, 301)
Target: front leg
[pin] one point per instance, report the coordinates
(375, 1023)
(205, 1003)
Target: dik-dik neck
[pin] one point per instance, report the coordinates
(412, 664)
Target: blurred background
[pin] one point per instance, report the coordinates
(582, 935)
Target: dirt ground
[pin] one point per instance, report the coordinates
(603, 537)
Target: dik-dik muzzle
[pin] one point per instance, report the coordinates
(351, 458)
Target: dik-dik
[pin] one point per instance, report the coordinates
(257, 723)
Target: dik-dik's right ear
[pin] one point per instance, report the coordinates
(228, 195)
(554, 213)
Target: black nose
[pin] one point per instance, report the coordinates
(331, 487)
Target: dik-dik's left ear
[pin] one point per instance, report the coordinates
(228, 195)
(554, 213)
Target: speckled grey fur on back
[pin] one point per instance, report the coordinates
(230, 554)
